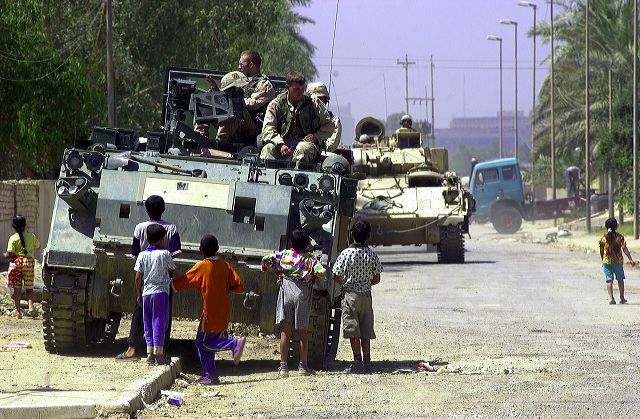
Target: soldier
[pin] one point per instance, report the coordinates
(318, 91)
(406, 123)
(258, 92)
(364, 141)
(295, 126)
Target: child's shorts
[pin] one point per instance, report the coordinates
(613, 270)
(357, 316)
(21, 273)
(294, 303)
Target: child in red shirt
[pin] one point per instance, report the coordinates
(214, 278)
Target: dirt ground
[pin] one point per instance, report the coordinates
(520, 330)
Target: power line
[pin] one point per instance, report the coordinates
(449, 67)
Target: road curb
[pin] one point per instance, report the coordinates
(60, 404)
(144, 391)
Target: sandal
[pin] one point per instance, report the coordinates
(123, 357)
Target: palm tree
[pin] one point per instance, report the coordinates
(610, 48)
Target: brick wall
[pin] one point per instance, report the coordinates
(32, 198)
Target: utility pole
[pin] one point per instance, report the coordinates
(433, 121)
(587, 143)
(553, 126)
(406, 63)
(635, 121)
(111, 79)
(426, 100)
(610, 180)
(386, 109)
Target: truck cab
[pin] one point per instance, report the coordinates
(499, 194)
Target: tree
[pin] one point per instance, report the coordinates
(52, 64)
(610, 48)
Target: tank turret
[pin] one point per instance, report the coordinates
(407, 192)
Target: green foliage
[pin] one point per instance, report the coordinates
(610, 48)
(52, 64)
(44, 95)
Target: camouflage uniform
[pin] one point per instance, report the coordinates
(318, 91)
(286, 124)
(257, 95)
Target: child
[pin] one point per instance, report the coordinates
(214, 278)
(296, 271)
(20, 254)
(357, 268)
(152, 283)
(612, 244)
(154, 205)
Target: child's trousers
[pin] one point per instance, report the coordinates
(155, 315)
(210, 343)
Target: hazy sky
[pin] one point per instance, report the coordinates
(372, 34)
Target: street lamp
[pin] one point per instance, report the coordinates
(515, 27)
(533, 84)
(497, 38)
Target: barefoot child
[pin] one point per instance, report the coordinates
(612, 244)
(153, 282)
(297, 270)
(357, 268)
(214, 278)
(20, 253)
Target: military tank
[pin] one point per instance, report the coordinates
(250, 205)
(408, 194)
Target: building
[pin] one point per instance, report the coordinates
(347, 121)
(484, 133)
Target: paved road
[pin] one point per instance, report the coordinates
(521, 329)
(537, 312)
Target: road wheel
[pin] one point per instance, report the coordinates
(451, 246)
(506, 220)
(63, 317)
(319, 341)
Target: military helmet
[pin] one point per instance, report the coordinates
(233, 79)
(406, 118)
(317, 89)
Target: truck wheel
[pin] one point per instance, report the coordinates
(451, 246)
(506, 220)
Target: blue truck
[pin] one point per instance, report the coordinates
(500, 197)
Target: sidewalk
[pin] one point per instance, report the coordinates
(570, 235)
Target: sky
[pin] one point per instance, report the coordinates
(372, 35)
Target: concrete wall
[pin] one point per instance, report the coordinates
(32, 198)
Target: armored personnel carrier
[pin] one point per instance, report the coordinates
(249, 204)
(407, 193)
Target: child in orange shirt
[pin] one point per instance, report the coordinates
(214, 278)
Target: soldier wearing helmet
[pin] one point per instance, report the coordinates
(295, 126)
(363, 141)
(319, 91)
(258, 92)
(406, 123)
